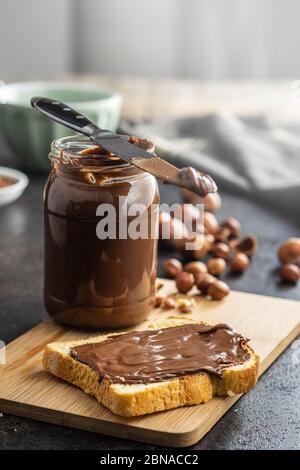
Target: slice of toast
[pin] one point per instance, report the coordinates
(140, 399)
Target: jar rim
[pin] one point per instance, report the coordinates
(69, 150)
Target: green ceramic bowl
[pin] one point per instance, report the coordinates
(30, 134)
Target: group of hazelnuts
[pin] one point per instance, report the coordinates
(205, 275)
(221, 247)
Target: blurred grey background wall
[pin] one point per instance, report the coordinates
(206, 39)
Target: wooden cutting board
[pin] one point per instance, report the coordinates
(28, 390)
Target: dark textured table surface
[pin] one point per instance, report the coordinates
(266, 418)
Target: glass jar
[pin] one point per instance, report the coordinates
(91, 281)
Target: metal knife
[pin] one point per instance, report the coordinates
(120, 147)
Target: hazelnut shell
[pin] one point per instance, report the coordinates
(290, 272)
(289, 251)
(218, 290)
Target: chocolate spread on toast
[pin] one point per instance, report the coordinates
(164, 354)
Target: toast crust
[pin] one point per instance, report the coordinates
(139, 399)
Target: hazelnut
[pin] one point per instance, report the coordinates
(158, 301)
(218, 290)
(203, 281)
(220, 250)
(212, 202)
(247, 245)
(216, 266)
(233, 225)
(180, 236)
(195, 267)
(289, 251)
(178, 230)
(172, 267)
(180, 245)
(190, 215)
(184, 282)
(232, 243)
(168, 303)
(290, 272)
(208, 241)
(171, 229)
(210, 223)
(239, 262)
(222, 234)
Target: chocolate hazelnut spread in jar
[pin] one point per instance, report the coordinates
(93, 280)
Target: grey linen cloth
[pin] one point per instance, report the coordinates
(252, 156)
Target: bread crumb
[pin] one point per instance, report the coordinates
(185, 305)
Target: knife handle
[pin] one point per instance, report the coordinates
(65, 115)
